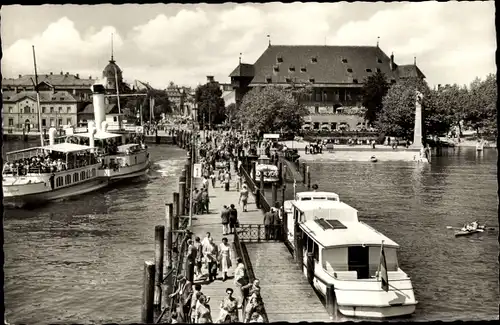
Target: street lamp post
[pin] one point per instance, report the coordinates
(193, 160)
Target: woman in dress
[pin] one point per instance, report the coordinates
(224, 258)
(254, 302)
(203, 312)
(229, 308)
(244, 197)
(210, 254)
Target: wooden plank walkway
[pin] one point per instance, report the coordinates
(287, 295)
(212, 223)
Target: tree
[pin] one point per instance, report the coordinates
(161, 104)
(451, 101)
(373, 92)
(231, 113)
(211, 106)
(271, 109)
(481, 111)
(397, 117)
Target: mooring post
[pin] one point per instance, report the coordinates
(274, 193)
(182, 195)
(308, 178)
(167, 270)
(329, 300)
(254, 171)
(188, 177)
(176, 210)
(303, 172)
(159, 251)
(148, 293)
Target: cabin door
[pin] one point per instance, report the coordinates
(358, 260)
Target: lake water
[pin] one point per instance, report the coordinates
(81, 260)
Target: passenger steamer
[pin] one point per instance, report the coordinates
(74, 168)
(341, 251)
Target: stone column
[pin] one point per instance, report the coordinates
(417, 131)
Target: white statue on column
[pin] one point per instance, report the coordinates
(417, 131)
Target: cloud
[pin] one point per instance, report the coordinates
(184, 45)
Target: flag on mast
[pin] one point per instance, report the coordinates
(383, 269)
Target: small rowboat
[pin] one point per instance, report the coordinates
(373, 159)
(463, 232)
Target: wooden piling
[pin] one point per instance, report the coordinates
(182, 195)
(308, 178)
(303, 172)
(148, 292)
(274, 194)
(169, 260)
(159, 251)
(188, 176)
(330, 300)
(254, 171)
(176, 210)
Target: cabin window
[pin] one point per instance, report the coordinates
(335, 259)
(59, 181)
(68, 179)
(93, 172)
(88, 173)
(391, 259)
(82, 175)
(75, 177)
(358, 260)
(316, 251)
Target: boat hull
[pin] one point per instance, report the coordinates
(377, 312)
(467, 233)
(20, 201)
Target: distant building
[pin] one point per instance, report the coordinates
(336, 74)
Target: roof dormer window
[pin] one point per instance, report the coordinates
(379, 60)
(368, 70)
(354, 81)
(279, 59)
(344, 60)
(311, 80)
(378, 70)
(288, 79)
(314, 59)
(349, 70)
(276, 68)
(269, 79)
(303, 69)
(291, 69)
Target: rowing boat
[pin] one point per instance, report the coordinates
(463, 232)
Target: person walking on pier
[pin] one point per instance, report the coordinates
(199, 203)
(224, 258)
(233, 219)
(210, 253)
(190, 260)
(202, 312)
(241, 279)
(205, 201)
(224, 215)
(268, 223)
(184, 292)
(194, 301)
(229, 308)
(198, 259)
(213, 178)
(227, 180)
(244, 197)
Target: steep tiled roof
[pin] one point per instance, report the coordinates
(243, 70)
(321, 64)
(409, 71)
(45, 96)
(52, 79)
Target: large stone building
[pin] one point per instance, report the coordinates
(336, 74)
(61, 96)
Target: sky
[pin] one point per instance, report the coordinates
(453, 42)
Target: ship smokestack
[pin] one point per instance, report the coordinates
(98, 92)
(52, 136)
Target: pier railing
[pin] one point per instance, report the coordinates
(259, 232)
(242, 252)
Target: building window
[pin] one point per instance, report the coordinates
(378, 70)
(288, 80)
(59, 181)
(68, 121)
(82, 175)
(279, 59)
(303, 69)
(276, 68)
(10, 109)
(44, 122)
(291, 69)
(11, 122)
(316, 109)
(368, 70)
(68, 179)
(52, 122)
(316, 126)
(27, 110)
(59, 122)
(68, 109)
(311, 80)
(314, 59)
(93, 172)
(379, 60)
(355, 81)
(349, 70)
(268, 80)
(60, 110)
(115, 119)
(44, 109)
(344, 60)
(51, 110)
(75, 177)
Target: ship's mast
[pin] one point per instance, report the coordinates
(38, 99)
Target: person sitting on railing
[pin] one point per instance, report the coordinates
(203, 313)
(254, 301)
(197, 294)
(241, 279)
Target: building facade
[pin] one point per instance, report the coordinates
(335, 74)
